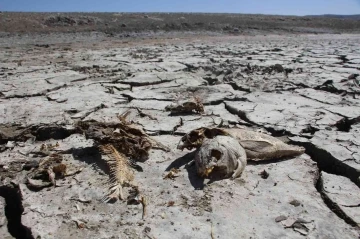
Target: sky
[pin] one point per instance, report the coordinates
(278, 7)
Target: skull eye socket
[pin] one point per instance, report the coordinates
(193, 136)
(212, 133)
(208, 133)
(216, 154)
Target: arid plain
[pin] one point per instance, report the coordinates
(295, 78)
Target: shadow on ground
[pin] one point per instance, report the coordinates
(187, 161)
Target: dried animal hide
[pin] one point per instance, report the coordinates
(127, 138)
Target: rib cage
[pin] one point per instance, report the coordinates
(121, 172)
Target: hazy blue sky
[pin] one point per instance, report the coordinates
(284, 7)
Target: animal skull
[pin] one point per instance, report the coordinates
(220, 157)
(258, 146)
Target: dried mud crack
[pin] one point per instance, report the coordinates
(13, 212)
(333, 206)
(113, 133)
(326, 162)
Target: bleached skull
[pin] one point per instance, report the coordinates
(220, 157)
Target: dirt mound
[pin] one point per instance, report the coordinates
(63, 20)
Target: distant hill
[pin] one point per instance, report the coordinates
(353, 17)
(133, 23)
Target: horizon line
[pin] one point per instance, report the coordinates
(169, 12)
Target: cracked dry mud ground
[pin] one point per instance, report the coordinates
(308, 101)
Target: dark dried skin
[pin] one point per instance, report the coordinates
(126, 138)
(258, 146)
(12, 132)
(195, 138)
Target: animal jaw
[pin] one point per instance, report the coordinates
(207, 171)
